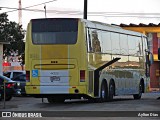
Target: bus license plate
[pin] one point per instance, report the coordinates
(54, 78)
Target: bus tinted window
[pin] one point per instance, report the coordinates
(124, 44)
(54, 31)
(106, 42)
(135, 46)
(115, 43)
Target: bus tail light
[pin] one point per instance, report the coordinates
(82, 75)
(27, 76)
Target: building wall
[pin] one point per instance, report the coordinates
(1, 58)
(154, 75)
(155, 67)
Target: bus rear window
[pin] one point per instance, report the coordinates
(54, 31)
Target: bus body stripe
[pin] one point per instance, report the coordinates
(54, 89)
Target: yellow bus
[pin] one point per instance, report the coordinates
(72, 58)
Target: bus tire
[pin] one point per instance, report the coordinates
(111, 90)
(103, 92)
(138, 96)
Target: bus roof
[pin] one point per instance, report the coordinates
(108, 27)
(103, 26)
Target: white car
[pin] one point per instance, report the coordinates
(13, 73)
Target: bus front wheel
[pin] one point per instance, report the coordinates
(138, 96)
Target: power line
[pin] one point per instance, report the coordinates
(29, 6)
(114, 14)
(103, 14)
(109, 14)
(23, 9)
(40, 4)
(34, 10)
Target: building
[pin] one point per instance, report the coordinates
(153, 33)
(1, 55)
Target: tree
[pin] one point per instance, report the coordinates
(13, 33)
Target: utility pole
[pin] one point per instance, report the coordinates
(85, 9)
(45, 10)
(19, 12)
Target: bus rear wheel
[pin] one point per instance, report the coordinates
(55, 100)
(138, 96)
(103, 92)
(111, 91)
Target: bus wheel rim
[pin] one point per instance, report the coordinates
(103, 93)
(140, 90)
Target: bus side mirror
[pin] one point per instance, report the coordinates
(158, 53)
(149, 57)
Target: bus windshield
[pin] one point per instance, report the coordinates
(54, 31)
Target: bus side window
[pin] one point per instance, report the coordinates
(89, 40)
(96, 41)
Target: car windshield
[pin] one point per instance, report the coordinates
(12, 74)
(7, 74)
(15, 74)
(21, 77)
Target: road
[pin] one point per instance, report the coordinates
(148, 103)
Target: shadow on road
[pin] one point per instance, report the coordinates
(85, 101)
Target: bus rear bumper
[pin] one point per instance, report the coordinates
(56, 89)
(67, 92)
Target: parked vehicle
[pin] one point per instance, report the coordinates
(10, 88)
(22, 80)
(13, 73)
(0, 95)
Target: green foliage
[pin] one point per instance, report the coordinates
(11, 32)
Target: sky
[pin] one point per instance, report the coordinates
(107, 11)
